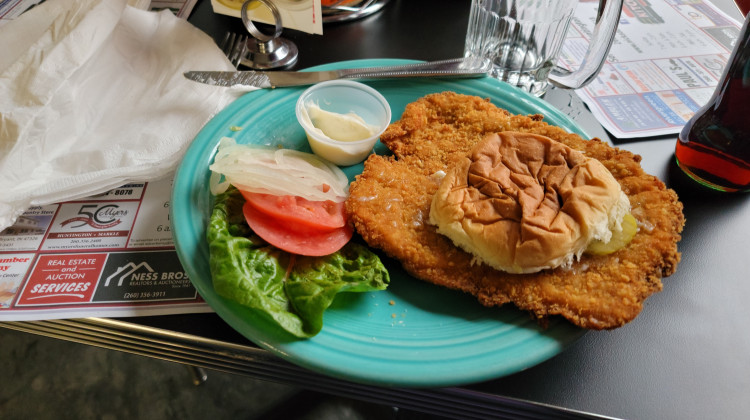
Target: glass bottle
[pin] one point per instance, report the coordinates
(714, 146)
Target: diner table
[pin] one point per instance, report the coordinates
(687, 355)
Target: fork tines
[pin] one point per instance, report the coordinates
(234, 46)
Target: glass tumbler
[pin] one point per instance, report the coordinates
(523, 39)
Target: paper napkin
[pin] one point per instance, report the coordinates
(92, 96)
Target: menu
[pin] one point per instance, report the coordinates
(10, 9)
(107, 255)
(302, 15)
(665, 62)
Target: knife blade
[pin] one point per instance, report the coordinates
(453, 68)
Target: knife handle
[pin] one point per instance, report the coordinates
(457, 67)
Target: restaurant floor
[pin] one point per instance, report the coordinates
(47, 378)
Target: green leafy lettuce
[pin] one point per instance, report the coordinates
(292, 290)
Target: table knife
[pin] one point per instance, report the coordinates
(453, 68)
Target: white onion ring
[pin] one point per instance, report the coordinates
(276, 171)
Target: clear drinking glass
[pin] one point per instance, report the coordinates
(523, 39)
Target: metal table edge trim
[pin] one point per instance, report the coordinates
(251, 361)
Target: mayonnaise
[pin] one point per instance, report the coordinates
(340, 127)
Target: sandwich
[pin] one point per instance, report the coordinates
(513, 210)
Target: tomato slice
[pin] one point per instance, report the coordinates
(297, 211)
(300, 240)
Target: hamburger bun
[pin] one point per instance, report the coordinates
(522, 203)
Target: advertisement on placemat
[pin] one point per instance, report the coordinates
(107, 255)
(664, 64)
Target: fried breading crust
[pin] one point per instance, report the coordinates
(389, 205)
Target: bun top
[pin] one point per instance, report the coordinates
(522, 202)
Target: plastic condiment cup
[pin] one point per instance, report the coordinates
(344, 97)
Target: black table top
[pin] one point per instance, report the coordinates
(687, 355)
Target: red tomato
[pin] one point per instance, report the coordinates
(297, 211)
(298, 240)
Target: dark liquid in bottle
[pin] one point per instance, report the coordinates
(714, 146)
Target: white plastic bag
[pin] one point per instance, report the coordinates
(92, 96)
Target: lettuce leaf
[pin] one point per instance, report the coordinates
(291, 290)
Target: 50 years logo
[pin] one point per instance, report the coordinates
(97, 217)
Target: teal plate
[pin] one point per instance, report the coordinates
(412, 335)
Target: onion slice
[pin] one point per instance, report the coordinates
(276, 171)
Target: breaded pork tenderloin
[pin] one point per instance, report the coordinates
(390, 202)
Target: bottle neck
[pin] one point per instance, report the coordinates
(739, 62)
(734, 88)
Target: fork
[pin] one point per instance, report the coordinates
(234, 46)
